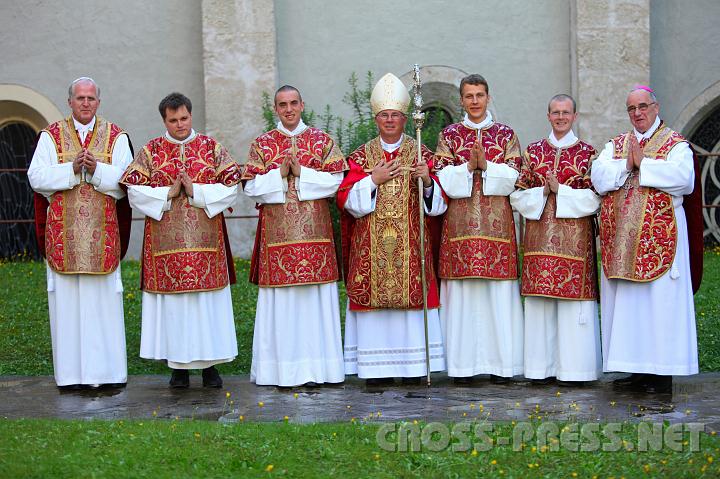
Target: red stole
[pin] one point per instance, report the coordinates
(638, 232)
(79, 232)
(559, 253)
(478, 236)
(185, 251)
(294, 241)
(381, 251)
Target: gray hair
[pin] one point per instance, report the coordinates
(71, 88)
(563, 97)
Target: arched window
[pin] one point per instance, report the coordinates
(17, 228)
(707, 137)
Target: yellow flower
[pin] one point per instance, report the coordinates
(415, 421)
(154, 413)
(464, 414)
(573, 474)
(612, 403)
(197, 435)
(558, 394)
(493, 462)
(474, 453)
(295, 395)
(690, 461)
(710, 459)
(286, 418)
(269, 468)
(261, 404)
(534, 449)
(517, 404)
(227, 394)
(352, 419)
(242, 418)
(349, 406)
(646, 468)
(376, 457)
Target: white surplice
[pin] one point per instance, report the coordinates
(649, 327)
(297, 335)
(562, 337)
(482, 319)
(86, 310)
(192, 330)
(391, 342)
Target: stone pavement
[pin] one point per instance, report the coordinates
(694, 399)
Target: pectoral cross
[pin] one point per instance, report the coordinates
(394, 186)
(628, 184)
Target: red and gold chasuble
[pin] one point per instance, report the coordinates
(294, 242)
(82, 233)
(383, 248)
(638, 232)
(559, 253)
(185, 251)
(478, 235)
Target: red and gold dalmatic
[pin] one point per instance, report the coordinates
(478, 234)
(638, 232)
(559, 253)
(383, 247)
(294, 242)
(82, 233)
(185, 251)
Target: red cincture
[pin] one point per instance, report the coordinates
(478, 235)
(294, 241)
(638, 231)
(82, 233)
(184, 251)
(559, 253)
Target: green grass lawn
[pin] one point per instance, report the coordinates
(25, 332)
(175, 449)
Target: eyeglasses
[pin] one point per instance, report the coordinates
(642, 107)
(390, 116)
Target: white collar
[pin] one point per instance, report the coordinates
(650, 131)
(563, 142)
(190, 137)
(390, 147)
(298, 129)
(478, 126)
(84, 128)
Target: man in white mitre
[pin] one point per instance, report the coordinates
(292, 172)
(559, 272)
(384, 327)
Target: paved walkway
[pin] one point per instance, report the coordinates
(694, 399)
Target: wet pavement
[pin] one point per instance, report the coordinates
(694, 399)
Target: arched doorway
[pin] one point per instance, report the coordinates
(17, 230)
(23, 112)
(706, 139)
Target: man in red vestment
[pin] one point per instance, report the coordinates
(559, 277)
(292, 172)
(182, 182)
(76, 166)
(478, 161)
(384, 330)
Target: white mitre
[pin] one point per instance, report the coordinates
(389, 94)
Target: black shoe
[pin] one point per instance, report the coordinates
(70, 387)
(311, 384)
(377, 382)
(658, 384)
(499, 379)
(634, 380)
(113, 385)
(463, 381)
(543, 381)
(211, 378)
(570, 384)
(180, 379)
(416, 381)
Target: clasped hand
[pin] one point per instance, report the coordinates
(183, 181)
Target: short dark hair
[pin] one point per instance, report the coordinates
(563, 97)
(474, 79)
(286, 88)
(174, 101)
